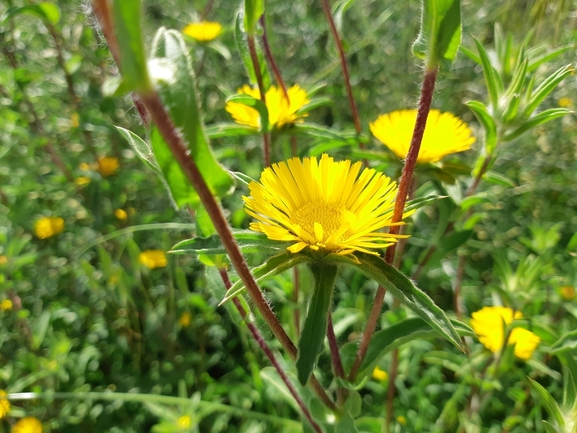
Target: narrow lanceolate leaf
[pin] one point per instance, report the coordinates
(548, 402)
(248, 241)
(394, 336)
(488, 124)
(242, 47)
(253, 9)
(405, 291)
(273, 266)
(490, 75)
(128, 32)
(142, 149)
(539, 119)
(171, 68)
(546, 87)
(257, 104)
(315, 324)
(440, 34)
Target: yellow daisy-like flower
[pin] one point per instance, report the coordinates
(444, 134)
(568, 293)
(204, 31)
(107, 166)
(280, 112)
(47, 227)
(6, 305)
(82, 180)
(379, 374)
(27, 425)
(488, 324)
(185, 319)
(120, 214)
(153, 259)
(3, 260)
(4, 404)
(565, 102)
(324, 205)
(184, 421)
(402, 420)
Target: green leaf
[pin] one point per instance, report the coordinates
(421, 202)
(257, 104)
(177, 89)
(127, 15)
(487, 122)
(490, 75)
(499, 179)
(404, 290)
(315, 324)
(440, 34)
(248, 241)
(470, 54)
(547, 400)
(141, 148)
(448, 244)
(539, 119)
(220, 130)
(273, 266)
(242, 47)
(549, 428)
(46, 11)
(394, 336)
(315, 103)
(550, 55)
(253, 9)
(545, 88)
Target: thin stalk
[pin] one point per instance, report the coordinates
(206, 10)
(268, 352)
(270, 59)
(339, 45)
(336, 359)
(404, 187)
(257, 72)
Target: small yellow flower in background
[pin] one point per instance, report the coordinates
(82, 180)
(4, 404)
(153, 259)
(47, 227)
(565, 102)
(488, 325)
(107, 166)
(402, 420)
(568, 293)
(380, 374)
(185, 319)
(120, 214)
(444, 134)
(6, 305)
(204, 31)
(27, 425)
(280, 112)
(324, 205)
(74, 120)
(3, 260)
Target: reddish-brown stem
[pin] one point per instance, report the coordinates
(268, 352)
(206, 10)
(339, 45)
(270, 59)
(336, 358)
(404, 187)
(258, 74)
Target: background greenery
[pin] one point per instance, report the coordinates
(87, 316)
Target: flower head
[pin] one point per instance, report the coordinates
(6, 305)
(120, 214)
(444, 134)
(324, 205)
(184, 319)
(204, 31)
(568, 293)
(27, 425)
(153, 259)
(184, 421)
(4, 404)
(3, 260)
(82, 180)
(47, 227)
(565, 102)
(380, 374)
(107, 166)
(280, 111)
(488, 325)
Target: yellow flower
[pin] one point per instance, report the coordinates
(380, 374)
(6, 305)
(184, 421)
(84, 166)
(184, 319)
(74, 120)
(324, 205)
(280, 112)
(153, 259)
(120, 214)
(4, 404)
(444, 134)
(27, 425)
(401, 420)
(204, 31)
(565, 102)
(568, 293)
(3, 260)
(107, 166)
(488, 324)
(82, 180)
(47, 227)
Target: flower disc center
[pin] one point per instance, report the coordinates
(330, 216)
